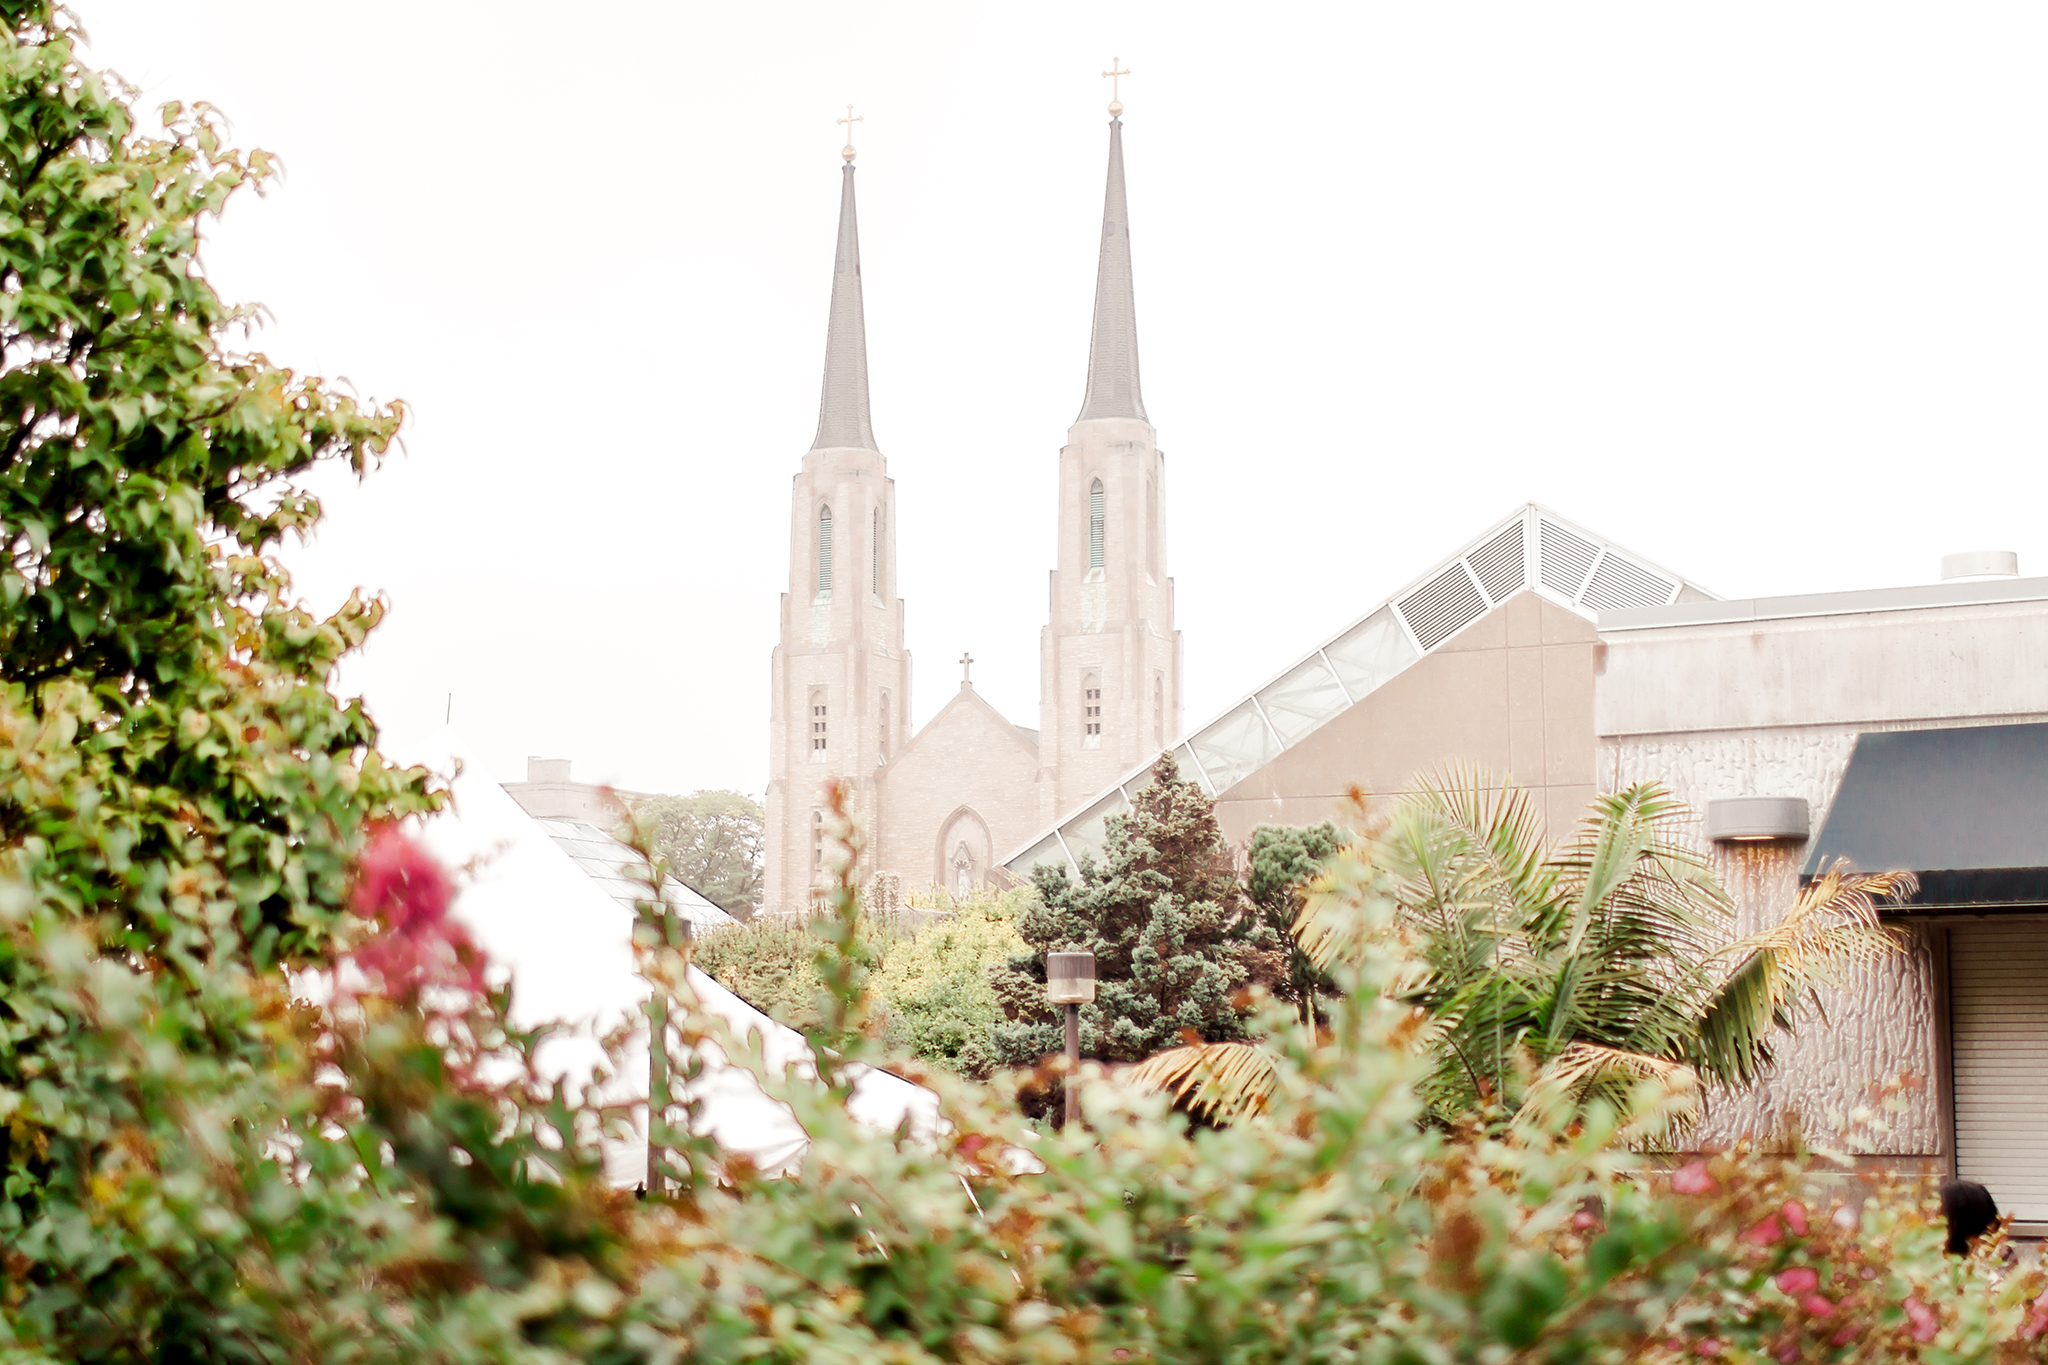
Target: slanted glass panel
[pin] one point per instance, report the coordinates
(1089, 831)
(1046, 850)
(1302, 700)
(1235, 747)
(1190, 768)
(1371, 652)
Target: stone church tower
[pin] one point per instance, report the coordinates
(947, 805)
(841, 677)
(1109, 679)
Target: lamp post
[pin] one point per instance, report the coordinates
(1070, 981)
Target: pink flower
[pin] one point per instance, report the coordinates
(1818, 1305)
(1694, 1179)
(1708, 1347)
(1846, 1335)
(2037, 1319)
(1845, 1218)
(1583, 1220)
(1925, 1324)
(1800, 1279)
(400, 885)
(1794, 1214)
(1764, 1233)
(1787, 1353)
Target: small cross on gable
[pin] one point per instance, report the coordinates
(966, 663)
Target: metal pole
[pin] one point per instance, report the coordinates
(1073, 1081)
(657, 1087)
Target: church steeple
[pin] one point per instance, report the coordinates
(1113, 345)
(843, 408)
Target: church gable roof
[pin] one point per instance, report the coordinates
(968, 710)
(1533, 549)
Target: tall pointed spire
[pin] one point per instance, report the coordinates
(843, 410)
(1113, 345)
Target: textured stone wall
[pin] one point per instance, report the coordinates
(1886, 1027)
(968, 771)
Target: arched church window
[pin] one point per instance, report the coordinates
(817, 841)
(1159, 708)
(820, 736)
(1152, 529)
(1091, 710)
(1095, 526)
(963, 871)
(825, 553)
(882, 734)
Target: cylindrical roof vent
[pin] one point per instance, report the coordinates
(1980, 564)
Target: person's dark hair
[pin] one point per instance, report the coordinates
(1970, 1210)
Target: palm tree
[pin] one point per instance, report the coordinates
(1568, 973)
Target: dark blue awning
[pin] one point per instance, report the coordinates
(1967, 809)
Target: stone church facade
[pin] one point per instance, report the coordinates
(943, 805)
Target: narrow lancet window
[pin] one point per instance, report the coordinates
(817, 841)
(825, 553)
(1095, 526)
(1091, 710)
(1152, 529)
(1159, 709)
(820, 737)
(875, 557)
(882, 734)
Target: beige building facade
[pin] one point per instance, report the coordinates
(940, 808)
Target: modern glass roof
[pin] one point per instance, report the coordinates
(1531, 550)
(604, 859)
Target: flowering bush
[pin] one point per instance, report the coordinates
(196, 1168)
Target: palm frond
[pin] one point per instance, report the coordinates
(1831, 930)
(1225, 1082)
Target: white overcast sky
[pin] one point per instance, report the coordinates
(1756, 289)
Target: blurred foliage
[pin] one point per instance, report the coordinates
(195, 1168)
(712, 841)
(928, 967)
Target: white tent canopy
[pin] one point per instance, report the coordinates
(567, 944)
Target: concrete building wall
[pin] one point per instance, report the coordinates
(969, 780)
(1771, 705)
(1512, 692)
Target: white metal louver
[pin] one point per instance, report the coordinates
(1533, 549)
(1443, 606)
(1998, 1034)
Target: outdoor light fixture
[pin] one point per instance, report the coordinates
(1757, 819)
(1070, 982)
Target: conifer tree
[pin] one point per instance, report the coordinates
(1173, 937)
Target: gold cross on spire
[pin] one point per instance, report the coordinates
(853, 118)
(1115, 79)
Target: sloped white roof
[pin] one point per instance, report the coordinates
(605, 860)
(1532, 549)
(566, 940)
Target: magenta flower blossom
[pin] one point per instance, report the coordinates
(1800, 1279)
(1694, 1179)
(402, 887)
(1925, 1324)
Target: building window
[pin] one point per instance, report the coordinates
(1159, 709)
(820, 736)
(1091, 710)
(817, 841)
(1095, 526)
(882, 734)
(824, 554)
(1152, 529)
(875, 557)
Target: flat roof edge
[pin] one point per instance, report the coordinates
(1855, 603)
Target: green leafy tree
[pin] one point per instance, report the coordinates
(1173, 937)
(1281, 861)
(934, 987)
(713, 841)
(1571, 971)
